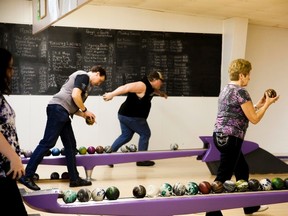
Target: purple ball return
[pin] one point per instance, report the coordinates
(259, 160)
(49, 201)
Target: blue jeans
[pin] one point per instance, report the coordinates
(129, 126)
(58, 124)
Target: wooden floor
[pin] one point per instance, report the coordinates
(126, 176)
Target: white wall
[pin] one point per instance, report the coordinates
(175, 120)
(267, 49)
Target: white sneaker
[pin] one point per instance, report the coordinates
(261, 209)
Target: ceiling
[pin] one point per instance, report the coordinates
(272, 13)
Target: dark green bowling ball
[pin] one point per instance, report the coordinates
(192, 188)
(139, 191)
(112, 193)
(277, 183)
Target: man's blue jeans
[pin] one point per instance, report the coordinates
(58, 124)
(129, 126)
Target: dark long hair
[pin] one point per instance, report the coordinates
(5, 58)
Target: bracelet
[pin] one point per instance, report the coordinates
(84, 110)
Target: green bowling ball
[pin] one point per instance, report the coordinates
(112, 193)
(192, 188)
(69, 196)
(166, 190)
(277, 183)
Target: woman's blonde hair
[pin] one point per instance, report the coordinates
(239, 66)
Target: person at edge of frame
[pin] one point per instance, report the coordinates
(11, 167)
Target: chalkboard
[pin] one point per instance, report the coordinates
(190, 62)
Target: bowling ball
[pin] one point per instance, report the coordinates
(65, 175)
(91, 150)
(82, 150)
(35, 177)
(55, 151)
(192, 188)
(27, 153)
(277, 183)
(98, 194)
(62, 151)
(271, 93)
(179, 189)
(99, 149)
(139, 191)
(166, 190)
(204, 187)
(174, 146)
(286, 183)
(266, 184)
(124, 149)
(108, 149)
(132, 148)
(229, 186)
(48, 153)
(54, 175)
(217, 187)
(69, 196)
(254, 185)
(112, 193)
(84, 195)
(241, 185)
(89, 121)
(152, 191)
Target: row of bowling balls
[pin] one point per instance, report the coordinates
(113, 193)
(230, 186)
(178, 189)
(53, 175)
(92, 150)
(84, 150)
(85, 194)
